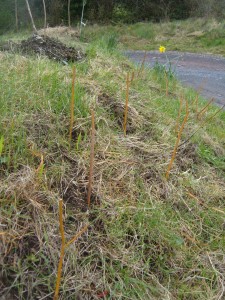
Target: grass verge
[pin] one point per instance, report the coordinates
(148, 237)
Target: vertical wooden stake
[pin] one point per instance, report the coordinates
(91, 157)
(72, 104)
(126, 105)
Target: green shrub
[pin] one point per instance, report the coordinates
(122, 14)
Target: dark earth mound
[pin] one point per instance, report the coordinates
(44, 45)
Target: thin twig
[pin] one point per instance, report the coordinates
(142, 65)
(198, 92)
(91, 157)
(61, 228)
(201, 125)
(205, 205)
(72, 104)
(126, 105)
(204, 108)
(177, 142)
(76, 236)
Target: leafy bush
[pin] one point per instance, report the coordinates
(122, 14)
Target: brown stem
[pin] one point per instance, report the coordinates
(204, 109)
(76, 236)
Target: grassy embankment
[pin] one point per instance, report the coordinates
(194, 35)
(148, 237)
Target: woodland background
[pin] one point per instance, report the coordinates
(105, 11)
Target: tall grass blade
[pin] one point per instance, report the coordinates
(126, 104)
(202, 124)
(178, 117)
(142, 65)
(72, 104)
(204, 109)
(59, 272)
(91, 157)
(177, 141)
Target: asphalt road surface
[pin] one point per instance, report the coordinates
(205, 73)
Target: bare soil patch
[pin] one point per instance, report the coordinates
(44, 45)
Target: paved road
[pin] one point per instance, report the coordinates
(205, 73)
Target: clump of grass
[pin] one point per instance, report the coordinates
(72, 104)
(92, 153)
(126, 104)
(177, 141)
(62, 251)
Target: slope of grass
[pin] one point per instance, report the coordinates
(148, 238)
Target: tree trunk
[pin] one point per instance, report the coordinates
(31, 18)
(16, 14)
(45, 15)
(82, 16)
(69, 23)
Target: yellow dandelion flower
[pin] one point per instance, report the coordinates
(162, 49)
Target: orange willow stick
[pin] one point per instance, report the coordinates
(179, 113)
(177, 141)
(72, 104)
(142, 64)
(59, 272)
(76, 236)
(91, 157)
(205, 205)
(204, 109)
(126, 106)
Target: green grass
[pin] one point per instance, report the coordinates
(193, 35)
(147, 238)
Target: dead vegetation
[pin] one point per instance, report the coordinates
(44, 45)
